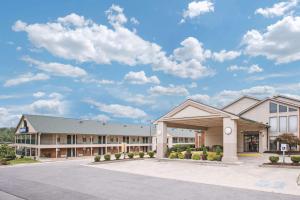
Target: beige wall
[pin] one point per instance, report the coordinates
(214, 136)
(241, 105)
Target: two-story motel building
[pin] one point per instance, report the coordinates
(57, 137)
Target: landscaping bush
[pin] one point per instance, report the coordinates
(141, 154)
(107, 157)
(218, 158)
(218, 150)
(180, 147)
(295, 159)
(97, 158)
(211, 157)
(117, 156)
(204, 154)
(130, 155)
(196, 156)
(173, 155)
(274, 159)
(188, 154)
(151, 154)
(180, 155)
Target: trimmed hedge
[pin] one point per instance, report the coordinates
(151, 154)
(180, 155)
(274, 159)
(117, 156)
(173, 155)
(97, 158)
(107, 157)
(141, 154)
(196, 156)
(130, 155)
(295, 159)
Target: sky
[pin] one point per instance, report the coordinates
(132, 61)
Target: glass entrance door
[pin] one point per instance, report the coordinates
(251, 142)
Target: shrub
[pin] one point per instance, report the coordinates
(180, 147)
(7, 152)
(180, 155)
(130, 155)
(151, 154)
(210, 157)
(218, 158)
(173, 155)
(107, 157)
(141, 154)
(117, 156)
(204, 154)
(188, 154)
(295, 159)
(274, 159)
(97, 158)
(196, 156)
(218, 150)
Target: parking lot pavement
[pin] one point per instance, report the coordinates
(72, 180)
(246, 176)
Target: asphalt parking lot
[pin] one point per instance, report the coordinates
(73, 180)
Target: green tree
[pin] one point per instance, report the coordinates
(7, 135)
(289, 138)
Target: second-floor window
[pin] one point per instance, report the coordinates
(273, 107)
(84, 139)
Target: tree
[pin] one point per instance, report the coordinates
(288, 138)
(7, 152)
(7, 135)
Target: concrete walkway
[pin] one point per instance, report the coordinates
(248, 175)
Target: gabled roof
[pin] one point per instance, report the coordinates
(190, 102)
(267, 99)
(61, 125)
(238, 99)
(286, 97)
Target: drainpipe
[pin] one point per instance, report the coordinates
(268, 138)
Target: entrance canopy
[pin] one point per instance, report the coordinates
(194, 115)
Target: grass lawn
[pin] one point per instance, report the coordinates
(22, 161)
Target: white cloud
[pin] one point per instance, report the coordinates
(115, 15)
(186, 61)
(225, 55)
(193, 85)
(119, 111)
(57, 69)
(133, 20)
(19, 48)
(76, 38)
(8, 119)
(54, 104)
(140, 78)
(139, 99)
(169, 91)
(279, 42)
(197, 8)
(25, 78)
(39, 94)
(97, 81)
(251, 69)
(203, 98)
(278, 9)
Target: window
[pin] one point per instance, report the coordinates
(273, 124)
(175, 140)
(283, 124)
(273, 107)
(282, 108)
(292, 109)
(84, 139)
(293, 124)
(272, 144)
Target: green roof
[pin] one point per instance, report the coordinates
(61, 125)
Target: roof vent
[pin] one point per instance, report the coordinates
(124, 125)
(103, 124)
(141, 126)
(80, 122)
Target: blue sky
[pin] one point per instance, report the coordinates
(131, 61)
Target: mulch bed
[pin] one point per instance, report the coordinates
(282, 165)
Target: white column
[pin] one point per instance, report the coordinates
(161, 133)
(39, 143)
(229, 140)
(106, 144)
(170, 141)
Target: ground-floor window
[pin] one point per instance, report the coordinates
(251, 142)
(272, 144)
